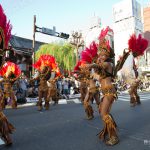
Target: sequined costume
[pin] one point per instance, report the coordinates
(104, 68)
(91, 91)
(6, 128)
(10, 73)
(53, 93)
(46, 64)
(137, 46)
(109, 94)
(81, 77)
(107, 73)
(83, 89)
(134, 97)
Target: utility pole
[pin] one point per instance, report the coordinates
(77, 42)
(47, 31)
(33, 43)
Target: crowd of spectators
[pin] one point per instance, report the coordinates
(66, 87)
(123, 86)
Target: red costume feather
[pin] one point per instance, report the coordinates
(137, 45)
(9, 66)
(79, 63)
(93, 49)
(47, 60)
(90, 53)
(103, 42)
(104, 33)
(86, 55)
(5, 27)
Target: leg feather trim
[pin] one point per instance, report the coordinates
(89, 112)
(109, 127)
(46, 105)
(6, 128)
(132, 102)
(138, 100)
(14, 104)
(40, 105)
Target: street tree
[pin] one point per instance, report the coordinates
(64, 54)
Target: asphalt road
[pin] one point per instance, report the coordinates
(64, 127)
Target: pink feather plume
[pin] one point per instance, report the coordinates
(137, 45)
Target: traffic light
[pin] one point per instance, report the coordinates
(63, 35)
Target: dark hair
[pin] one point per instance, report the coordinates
(112, 54)
(109, 60)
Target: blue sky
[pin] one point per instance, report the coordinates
(66, 15)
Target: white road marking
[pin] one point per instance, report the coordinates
(1, 142)
(77, 101)
(62, 101)
(143, 97)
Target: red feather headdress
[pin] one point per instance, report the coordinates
(104, 46)
(79, 63)
(49, 61)
(5, 30)
(57, 70)
(137, 45)
(10, 67)
(89, 54)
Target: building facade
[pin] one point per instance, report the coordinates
(21, 53)
(127, 20)
(146, 24)
(94, 31)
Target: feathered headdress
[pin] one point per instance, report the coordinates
(104, 46)
(5, 30)
(5, 33)
(47, 61)
(137, 45)
(8, 68)
(79, 63)
(89, 54)
(78, 68)
(57, 70)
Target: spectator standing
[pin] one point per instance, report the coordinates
(23, 86)
(65, 88)
(59, 85)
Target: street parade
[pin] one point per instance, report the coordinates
(106, 92)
